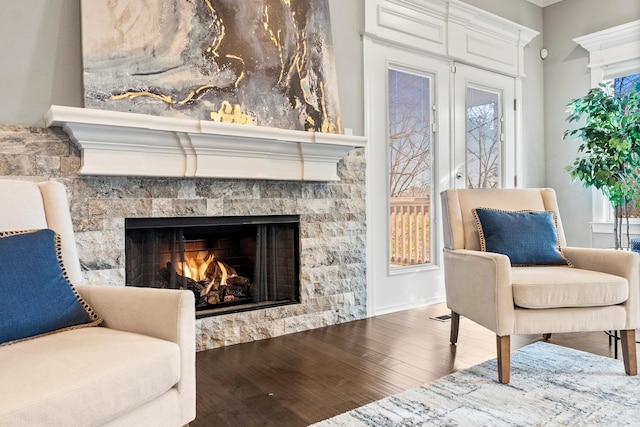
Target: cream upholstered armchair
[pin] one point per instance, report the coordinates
(598, 291)
(137, 368)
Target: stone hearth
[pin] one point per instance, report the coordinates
(332, 227)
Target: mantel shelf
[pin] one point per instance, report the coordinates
(118, 143)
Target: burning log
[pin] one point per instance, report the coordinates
(211, 280)
(182, 281)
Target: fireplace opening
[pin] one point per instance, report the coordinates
(231, 264)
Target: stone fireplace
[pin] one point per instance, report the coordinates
(332, 226)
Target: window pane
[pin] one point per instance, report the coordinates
(622, 86)
(483, 139)
(410, 168)
(626, 84)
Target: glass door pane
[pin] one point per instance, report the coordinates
(483, 138)
(410, 168)
(484, 123)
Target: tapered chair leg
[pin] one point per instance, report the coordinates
(455, 326)
(628, 340)
(504, 358)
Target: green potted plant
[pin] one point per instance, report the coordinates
(609, 152)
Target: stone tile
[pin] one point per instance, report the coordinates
(161, 207)
(280, 190)
(187, 207)
(88, 224)
(228, 189)
(316, 206)
(186, 189)
(47, 165)
(101, 250)
(17, 165)
(126, 208)
(215, 207)
(113, 277)
(259, 207)
(69, 166)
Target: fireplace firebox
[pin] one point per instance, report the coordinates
(231, 264)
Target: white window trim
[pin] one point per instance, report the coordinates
(613, 52)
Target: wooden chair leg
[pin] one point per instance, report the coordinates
(455, 326)
(628, 340)
(504, 358)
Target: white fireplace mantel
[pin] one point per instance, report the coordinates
(119, 143)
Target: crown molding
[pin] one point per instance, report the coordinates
(613, 52)
(543, 3)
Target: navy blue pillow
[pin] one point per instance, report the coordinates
(526, 237)
(35, 296)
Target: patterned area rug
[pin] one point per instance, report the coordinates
(550, 386)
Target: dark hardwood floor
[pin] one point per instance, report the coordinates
(302, 378)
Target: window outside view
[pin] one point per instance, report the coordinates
(622, 86)
(483, 139)
(410, 168)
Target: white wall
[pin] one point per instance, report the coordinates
(566, 77)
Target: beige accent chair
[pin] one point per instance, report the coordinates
(136, 369)
(599, 293)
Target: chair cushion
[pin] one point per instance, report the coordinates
(526, 237)
(83, 376)
(554, 287)
(35, 296)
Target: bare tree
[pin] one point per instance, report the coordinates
(483, 146)
(409, 135)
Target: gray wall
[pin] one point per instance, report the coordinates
(40, 47)
(566, 77)
(41, 58)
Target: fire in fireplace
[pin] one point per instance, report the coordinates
(229, 263)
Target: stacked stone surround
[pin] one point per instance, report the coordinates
(332, 227)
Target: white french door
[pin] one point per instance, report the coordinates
(407, 164)
(484, 129)
(432, 124)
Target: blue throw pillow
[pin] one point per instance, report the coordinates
(526, 237)
(35, 296)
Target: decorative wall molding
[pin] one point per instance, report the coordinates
(612, 52)
(451, 29)
(118, 143)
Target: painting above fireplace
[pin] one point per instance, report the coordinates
(231, 264)
(253, 62)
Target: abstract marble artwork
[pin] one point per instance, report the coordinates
(256, 62)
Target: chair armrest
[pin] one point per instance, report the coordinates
(161, 313)
(620, 263)
(478, 286)
(611, 261)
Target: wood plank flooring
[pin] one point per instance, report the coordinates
(302, 378)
